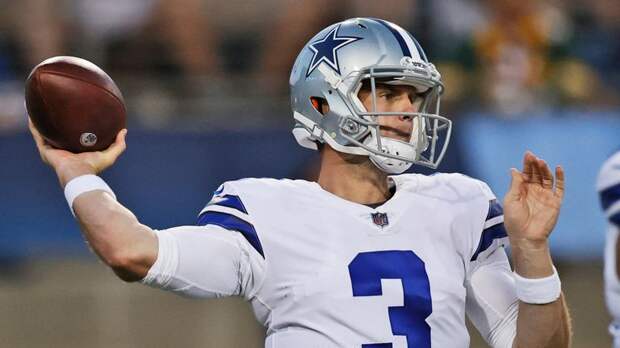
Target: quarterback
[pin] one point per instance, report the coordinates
(608, 186)
(366, 256)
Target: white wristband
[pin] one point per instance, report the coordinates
(83, 184)
(539, 290)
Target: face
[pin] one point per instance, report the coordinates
(392, 98)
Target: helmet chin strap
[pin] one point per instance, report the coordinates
(392, 147)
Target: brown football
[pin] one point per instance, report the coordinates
(74, 104)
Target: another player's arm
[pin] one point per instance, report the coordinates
(610, 196)
(531, 210)
(608, 187)
(112, 231)
(618, 258)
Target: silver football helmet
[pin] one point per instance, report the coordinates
(332, 67)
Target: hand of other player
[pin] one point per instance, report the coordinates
(532, 205)
(69, 165)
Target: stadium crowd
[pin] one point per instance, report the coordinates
(179, 60)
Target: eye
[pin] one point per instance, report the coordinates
(386, 94)
(416, 96)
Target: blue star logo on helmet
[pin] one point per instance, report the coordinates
(326, 49)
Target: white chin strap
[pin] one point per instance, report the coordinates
(392, 147)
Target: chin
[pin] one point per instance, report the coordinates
(401, 137)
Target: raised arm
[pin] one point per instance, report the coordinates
(531, 210)
(112, 231)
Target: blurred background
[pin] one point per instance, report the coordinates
(206, 86)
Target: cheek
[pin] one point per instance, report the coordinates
(388, 121)
(367, 103)
(365, 99)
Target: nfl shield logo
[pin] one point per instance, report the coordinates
(380, 219)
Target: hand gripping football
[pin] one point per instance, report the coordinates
(74, 104)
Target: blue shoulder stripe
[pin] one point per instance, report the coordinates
(219, 190)
(377, 345)
(488, 236)
(610, 196)
(491, 233)
(231, 201)
(233, 223)
(495, 209)
(615, 219)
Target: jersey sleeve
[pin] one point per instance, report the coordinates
(492, 234)
(608, 187)
(205, 262)
(227, 210)
(491, 303)
(221, 256)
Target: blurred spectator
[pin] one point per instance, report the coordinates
(196, 57)
(597, 44)
(187, 37)
(296, 19)
(514, 54)
(453, 23)
(516, 57)
(168, 55)
(36, 29)
(11, 95)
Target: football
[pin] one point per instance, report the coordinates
(74, 104)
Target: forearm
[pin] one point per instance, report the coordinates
(116, 235)
(545, 325)
(539, 325)
(112, 231)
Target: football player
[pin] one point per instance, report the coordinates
(608, 186)
(365, 256)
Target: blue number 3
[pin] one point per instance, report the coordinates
(366, 271)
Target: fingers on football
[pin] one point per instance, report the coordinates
(117, 148)
(35, 134)
(38, 140)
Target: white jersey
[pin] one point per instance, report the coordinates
(608, 186)
(321, 271)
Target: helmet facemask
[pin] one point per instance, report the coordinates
(430, 133)
(333, 66)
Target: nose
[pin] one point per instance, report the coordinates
(407, 106)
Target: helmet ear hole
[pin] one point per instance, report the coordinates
(320, 105)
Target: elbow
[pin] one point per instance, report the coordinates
(130, 258)
(127, 275)
(127, 266)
